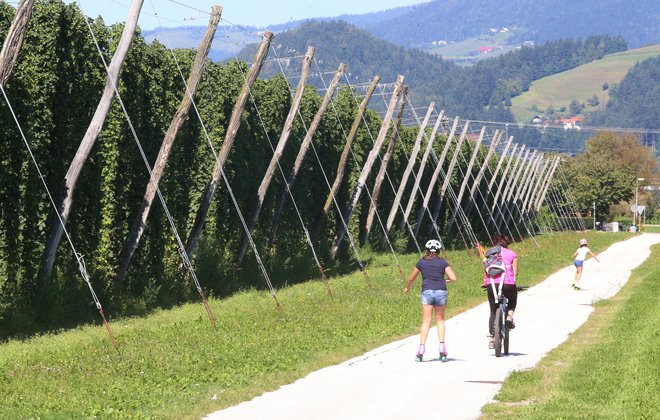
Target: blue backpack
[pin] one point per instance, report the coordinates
(493, 262)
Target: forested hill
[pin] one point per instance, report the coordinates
(481, 91)
(539, 21)
(636, 100)
(364, 55)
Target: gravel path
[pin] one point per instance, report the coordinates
(386, 383)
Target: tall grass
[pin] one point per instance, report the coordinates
(609, 368)
(173, 364)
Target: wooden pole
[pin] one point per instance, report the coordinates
(514, 185)
(95, 126)
(505, 179)
(343, 159)
(140, 222)
(445, 184)
(232, 130)
(422, 167)
(477, 179)
(366, 169)
(279, 149)
(14, 40)
(380, 177)
(304, 148)
(499, 163)
(548, 180)
(411, 163)
(532, 192)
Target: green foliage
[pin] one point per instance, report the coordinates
(607, 171)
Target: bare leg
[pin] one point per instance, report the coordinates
(578, 275)
(427, 311)
(440, 322)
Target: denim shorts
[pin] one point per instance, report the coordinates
(578, 263)
(434, 297)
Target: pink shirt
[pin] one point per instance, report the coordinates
(507, 257)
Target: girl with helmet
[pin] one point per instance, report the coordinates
(578, 259)
(434, 293)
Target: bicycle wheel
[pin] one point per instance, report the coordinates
(506, 341)
(498, 333)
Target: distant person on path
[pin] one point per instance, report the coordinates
(510, 260)
(578, 259)
(434, 293)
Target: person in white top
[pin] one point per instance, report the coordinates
(578, 259)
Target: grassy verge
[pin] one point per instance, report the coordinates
(174, 365)
(609, 368)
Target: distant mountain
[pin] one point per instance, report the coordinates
(636, 21)
(482, 91)
(467, 31)
(364, 55)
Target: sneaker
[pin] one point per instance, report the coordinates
(509, 323)
(491, 342)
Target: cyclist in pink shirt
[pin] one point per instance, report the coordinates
(509, 290)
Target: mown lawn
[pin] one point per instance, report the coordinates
(609, 368)
(174, 365)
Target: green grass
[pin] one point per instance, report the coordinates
(580, 83)
(651, 228)
(174, 365)
(609, 368)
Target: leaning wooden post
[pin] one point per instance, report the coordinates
(548, 180)
(477, 180)
(500, 162)
(380, 177)
(95, 126)
(466, 178)
(422, 168)
(514, 185)
(411, 164)
(14, 40)
(343, 159)
(531, 178)
(140, 222)
(279, 149)
(304, 148)
(366, 169)
(445, 184)
(505, 179)
(232, 130)
(526, 178)
(532, 191)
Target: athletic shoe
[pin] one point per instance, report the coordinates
(509, 323)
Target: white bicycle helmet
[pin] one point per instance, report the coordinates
(583, 242)
(433, 245)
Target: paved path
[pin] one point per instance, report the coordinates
(387, 383)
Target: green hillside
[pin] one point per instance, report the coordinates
(580, 83)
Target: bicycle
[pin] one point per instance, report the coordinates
(501, 331)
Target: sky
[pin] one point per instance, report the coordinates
(245, 12)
